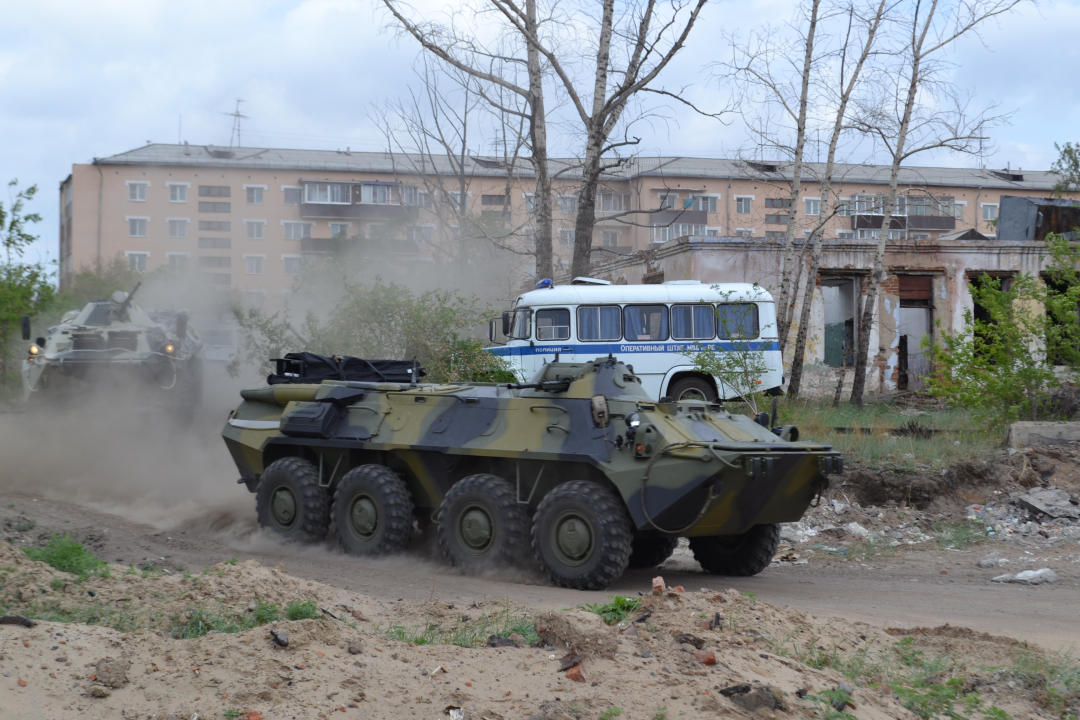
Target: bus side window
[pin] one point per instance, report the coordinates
(693, 322)
(737, 321)
(599, 323)
(553, 324)
(646, 322)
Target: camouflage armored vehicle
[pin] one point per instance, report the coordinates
(117, 344)
(578, 468)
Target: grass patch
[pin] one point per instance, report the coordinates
(962, 535)
(66, 554)
(1055, 677)
(199, 621)
(302, 610)
(817, 421)
(615, 611)
(611, 712)
(468, 632)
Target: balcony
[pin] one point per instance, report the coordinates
(689, 217)
(901, 222)
(356, 211)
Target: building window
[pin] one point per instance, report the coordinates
(292, 194)
(705, 203)
(215, 225)
(614, 202)
(663, 233)
(866, 205)
(777, 219)
(215, 207)
(137, 261)
(667, 202)
(813, 206)
(137, 191)
(137, 226)
(747, 233)
(455, 200)
(177, 227)
(177, 192)
(420, 233)
(712, 232)
(292, 264)
(178, 261)
(215, 243)
(496, 200)
(340, 230)
(297, 230)
(990, 211)
(919, 236)
(254, 264)
(329, 193)
(845, 234)
(568, 204)
(215, 261)
(958, 208)
(255, 229)
(416, 197)
(220, 278)
(215, 191)
(845, 207)
(611, 238)
(375, 194)
(566, 237)
(775, 235)
(779, 203)
(744, 205)
(530, 203)
(254, 194)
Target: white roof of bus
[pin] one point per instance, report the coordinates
(674, 291)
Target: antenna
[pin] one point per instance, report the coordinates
(180, 131)
(237, 117)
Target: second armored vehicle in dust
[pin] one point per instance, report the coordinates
(115, 344)
(578, 468)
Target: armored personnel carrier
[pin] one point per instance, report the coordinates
(115, 343)
(578, 468)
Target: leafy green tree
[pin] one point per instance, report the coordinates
(377, 320)
(1008, 365)
(25, 289)
(1067, 167)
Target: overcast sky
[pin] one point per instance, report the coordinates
(82, 80)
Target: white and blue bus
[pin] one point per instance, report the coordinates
(650, 327)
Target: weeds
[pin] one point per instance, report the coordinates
(1056, 677)
(231, 561)
(25, 526)
(615, 611)
(468, 633)
(57, 584)
(611, 712)
(661, 713)
(961, 536)
(232, 714)
(199, 621)
(302, 610)
(66, 554)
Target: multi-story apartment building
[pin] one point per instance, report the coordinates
(248, 217)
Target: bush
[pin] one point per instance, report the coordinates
(68, 555)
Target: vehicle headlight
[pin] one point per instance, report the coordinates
(170, 348)
(633, 420)
(35, 350)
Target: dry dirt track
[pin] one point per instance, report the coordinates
(908, 589)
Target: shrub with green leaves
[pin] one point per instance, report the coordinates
(66, 554)
(1008, 362)
(615, 611)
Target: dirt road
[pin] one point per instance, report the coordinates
(908, 589)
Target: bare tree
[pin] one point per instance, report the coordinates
(919, 111)
(860, 40)
(760, 69)
(493, 68)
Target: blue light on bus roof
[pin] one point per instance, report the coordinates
(545, 283)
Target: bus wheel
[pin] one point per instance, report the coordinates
(373, 511)
(481, 524)
(290, 502)
(581, 535)
(746, 554)
(692, 388)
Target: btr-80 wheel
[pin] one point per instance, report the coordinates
(290, 502)
(746, 554)
(647, 552)
(481, 524)
(581, 535)
(373, 511)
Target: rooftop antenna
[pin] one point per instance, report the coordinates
(237, 117)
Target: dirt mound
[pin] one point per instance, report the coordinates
(697, 653)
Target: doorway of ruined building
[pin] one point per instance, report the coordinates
(840, 295)
(980, 314)
(916, 321)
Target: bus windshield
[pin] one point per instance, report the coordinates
(520, 324)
